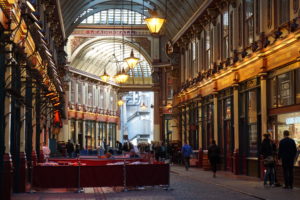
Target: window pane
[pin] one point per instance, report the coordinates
(90, 19)
(97, 18)
(298, 86)
(252, 109)
(104, 17)
(117, 16)
(252, 139)
(110, 16)
(273, 93)
(285, 89)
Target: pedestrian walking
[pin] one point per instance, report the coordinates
(214, 156)
(287, 153)
(186, 153)
(70, 148)
(268, 151)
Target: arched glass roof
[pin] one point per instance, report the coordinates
(108, 53)
(113, 16)
(177, 12)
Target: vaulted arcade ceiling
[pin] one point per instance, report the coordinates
(177, 12)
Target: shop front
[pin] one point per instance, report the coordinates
(207, 121)
(284, 105)
(225, 127)
(250, 126)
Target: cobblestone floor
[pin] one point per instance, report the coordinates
(192, 184)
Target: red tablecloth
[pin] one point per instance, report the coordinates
(100, 176)
(151, 174)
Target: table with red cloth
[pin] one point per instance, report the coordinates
(100, 175)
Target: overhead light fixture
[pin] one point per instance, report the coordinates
(30, 6)
(123, 76)
(105, 77)
(143, 106)
(120, 102)
(154, 23)
(131, 61)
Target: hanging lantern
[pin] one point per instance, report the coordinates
(131, 61)
(123, 76)
(143, 106)
(105, 77)
(154, 23)
(120, 102)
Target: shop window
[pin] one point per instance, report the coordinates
(273, 92)
(285, 89)
(227, 109)
(252, 107)
(298, 86)
(249, 23)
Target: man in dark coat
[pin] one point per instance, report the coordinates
(287, 153)
(70, 149)
(214, 156)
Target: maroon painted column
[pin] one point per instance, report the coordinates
(34, 158)
(41, 157)
(7, 190)
(200, 158)
(236, 162)
(23, 172)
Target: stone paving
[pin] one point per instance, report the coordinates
(192, 184)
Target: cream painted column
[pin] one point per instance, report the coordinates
(155, 47)
(156, 133)
(200, 124)
(76, 130)
(76, 92)
(264, 111)
(97, 134)
(216, 118)
(236, 117)
(83, 134)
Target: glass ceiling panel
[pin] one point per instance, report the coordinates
(113, 16)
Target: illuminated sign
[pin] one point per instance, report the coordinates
(292, 120)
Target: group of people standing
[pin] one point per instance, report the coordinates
(286, 153)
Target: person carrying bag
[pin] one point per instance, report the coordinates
(267, 151)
